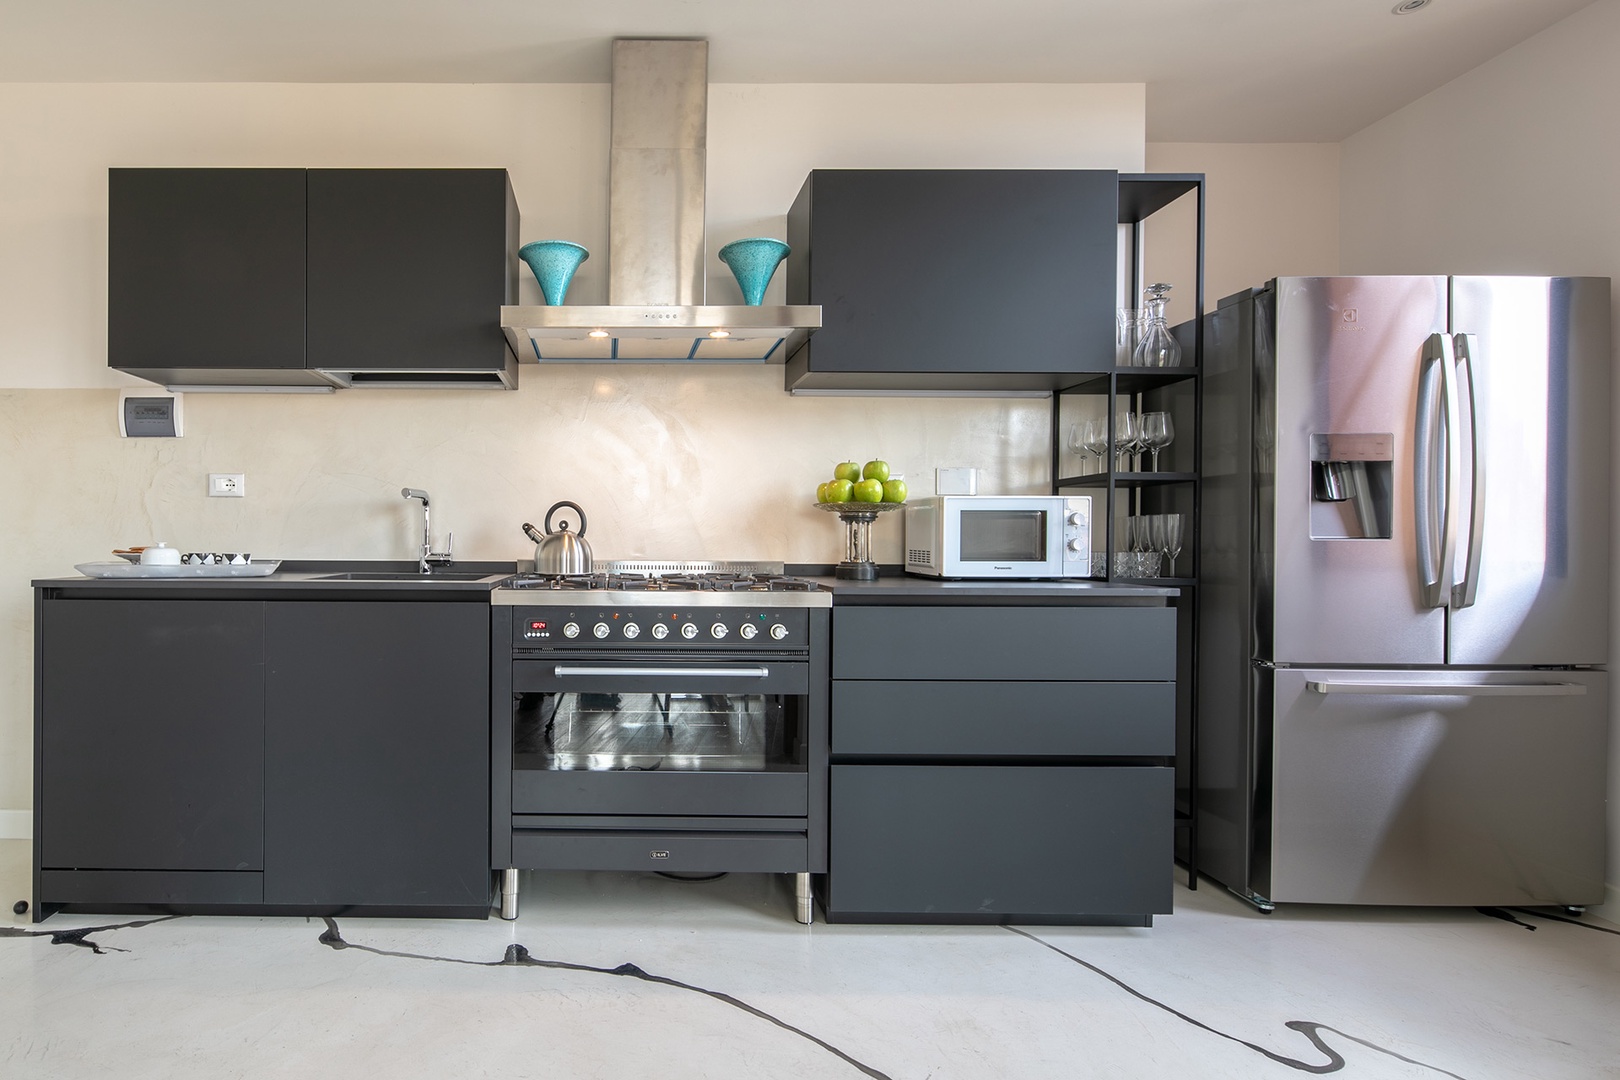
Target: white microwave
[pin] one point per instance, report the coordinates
(999, 536)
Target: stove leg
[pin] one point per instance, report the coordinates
(804, 905)
(509, 893)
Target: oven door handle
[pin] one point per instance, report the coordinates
(563, 671)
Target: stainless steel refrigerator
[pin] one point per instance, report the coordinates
(1404, 614)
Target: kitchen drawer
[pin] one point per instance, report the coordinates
(967, 843)
(1113, 644)
(1009, 719)
(684, 852)
(623, 791)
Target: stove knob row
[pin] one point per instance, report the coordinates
(660, 631)
(778, 632)
(718, 630)
(571, 630)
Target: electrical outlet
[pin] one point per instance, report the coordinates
(222, 485)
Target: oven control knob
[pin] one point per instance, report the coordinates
(631, 630)
(689, 630)
(1077, 518)
(1076, 545)
(778, 631)
(718, 630)
(601, 630)
(748, 630)
(660, 631)
(571, 630)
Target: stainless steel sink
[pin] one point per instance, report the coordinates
(409, 575)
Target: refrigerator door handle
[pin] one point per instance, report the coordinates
(1448, 689)
(1463, 594)
(1433, 482)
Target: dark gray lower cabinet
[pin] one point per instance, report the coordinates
(377, 755)
(991, 841)
(152, 756)
(241, 754)
(1001, 763)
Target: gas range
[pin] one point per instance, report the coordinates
(624, 584)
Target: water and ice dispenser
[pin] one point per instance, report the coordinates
(1351, 486)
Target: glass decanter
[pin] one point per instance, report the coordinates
(1157, 347)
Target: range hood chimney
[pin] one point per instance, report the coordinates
(656, 308)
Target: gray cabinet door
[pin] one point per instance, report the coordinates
(377, 754)
(151, 735)
(988, 842)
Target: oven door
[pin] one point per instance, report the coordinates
(623, 736)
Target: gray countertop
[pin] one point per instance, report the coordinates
(894, 586)
(909, 588)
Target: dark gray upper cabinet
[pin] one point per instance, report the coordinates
(205, 275)
(319, 277)
(972, 279)
(407, 271)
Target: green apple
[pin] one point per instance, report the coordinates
(869, 490)
(894, 491)
(821, 491)
(875, 470)
(847, 470)
(838, 491)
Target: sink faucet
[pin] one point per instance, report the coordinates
(430, 558)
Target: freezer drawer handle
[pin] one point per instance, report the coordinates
(1449, 689)
(562, 671)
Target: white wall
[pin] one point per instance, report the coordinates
(1270, 209)
(713, 462)
(1513, 168)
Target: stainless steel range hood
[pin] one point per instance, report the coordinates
(656, 309)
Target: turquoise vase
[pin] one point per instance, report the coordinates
(753, 262)
(553, 263)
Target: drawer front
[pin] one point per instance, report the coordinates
(983, 841)
(1009, 719)
(1115, 644)
(688, 852)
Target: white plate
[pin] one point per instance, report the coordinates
(256, 568)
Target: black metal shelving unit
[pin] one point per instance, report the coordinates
(1178, 390)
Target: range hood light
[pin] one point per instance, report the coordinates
(597, 333)
(718, 333)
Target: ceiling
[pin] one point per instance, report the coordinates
(1216, 70)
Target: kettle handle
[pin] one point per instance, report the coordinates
(577, 510)
(533, 533)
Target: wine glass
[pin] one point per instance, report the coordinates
(1077, 445)
(1125, 436)
(1173, 524)
(1094, 437)
(1157, 433)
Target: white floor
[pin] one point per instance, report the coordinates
(725, 984)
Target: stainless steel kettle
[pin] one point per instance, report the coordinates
(560, 551)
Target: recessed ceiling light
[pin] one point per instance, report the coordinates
(1406, 7)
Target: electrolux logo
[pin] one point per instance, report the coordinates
(1347, 320)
